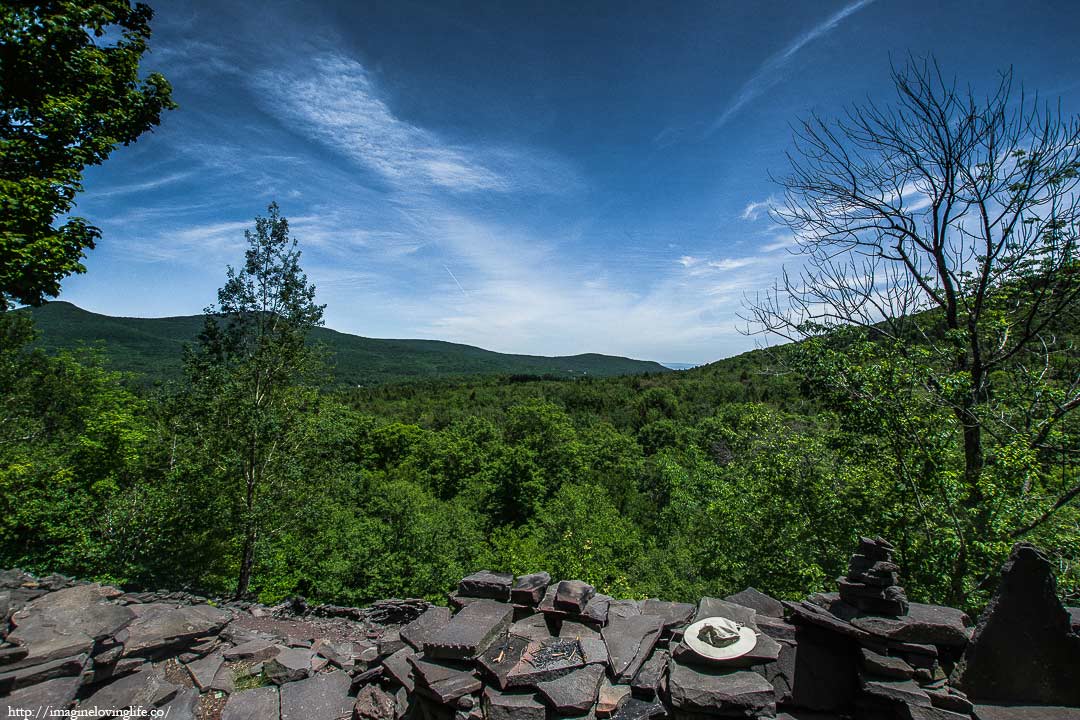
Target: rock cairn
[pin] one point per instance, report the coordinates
(530, 648)
(872, 581)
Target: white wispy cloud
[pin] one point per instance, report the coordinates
(769, 73)
(779, 243)
(337, 102)
(140, 186)
(754, 210)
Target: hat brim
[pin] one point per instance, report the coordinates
(746, 642)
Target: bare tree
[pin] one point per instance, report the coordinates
(946, 222)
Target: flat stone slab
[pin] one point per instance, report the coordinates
(595, 610)
(158, 627)
(147, 688)
(714, 607)
(58, 694)
(577, 631)
(67, 622)
(33, 674)
(758, 601)
(611, 698)
(546, 659)
(924, 624)
(896, 691)
(647, 681)
(573, 595)
(289, 665)
(501, 657)
(442, 682)
(809, 613)
(629, 643)
(424, 627)
(738, 693)
(623, 608)
(500, 705)
(373, 703)
(534, 627)
(182, 707)
(637, 709)
(253, 650)
(885, 666)
(487, 584)
(520, 662)
(594, 651)
(258, 704)
(323, 697)
(529, 589)
(400, 669)
(1025, 712)
(574, 692)
(470, 631)
(674, 614)
(204, 669)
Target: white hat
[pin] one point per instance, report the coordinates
(735, 640)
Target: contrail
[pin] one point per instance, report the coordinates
(766, 75)
(455, 280)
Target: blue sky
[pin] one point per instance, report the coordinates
(546, 178)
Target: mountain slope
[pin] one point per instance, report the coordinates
(153, 347)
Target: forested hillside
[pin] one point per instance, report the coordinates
(152, 349)
(698, 482)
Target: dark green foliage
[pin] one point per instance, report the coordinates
(70, 92)
(401, 490)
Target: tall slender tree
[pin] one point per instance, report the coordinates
(251, 374)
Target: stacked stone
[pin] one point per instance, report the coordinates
(527, 648)
(871, 584)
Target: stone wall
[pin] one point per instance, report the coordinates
(531, 648)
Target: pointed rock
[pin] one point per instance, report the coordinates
(629, 642)
(400, 669)
(1023, 650)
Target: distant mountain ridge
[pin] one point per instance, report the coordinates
(153, 347)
